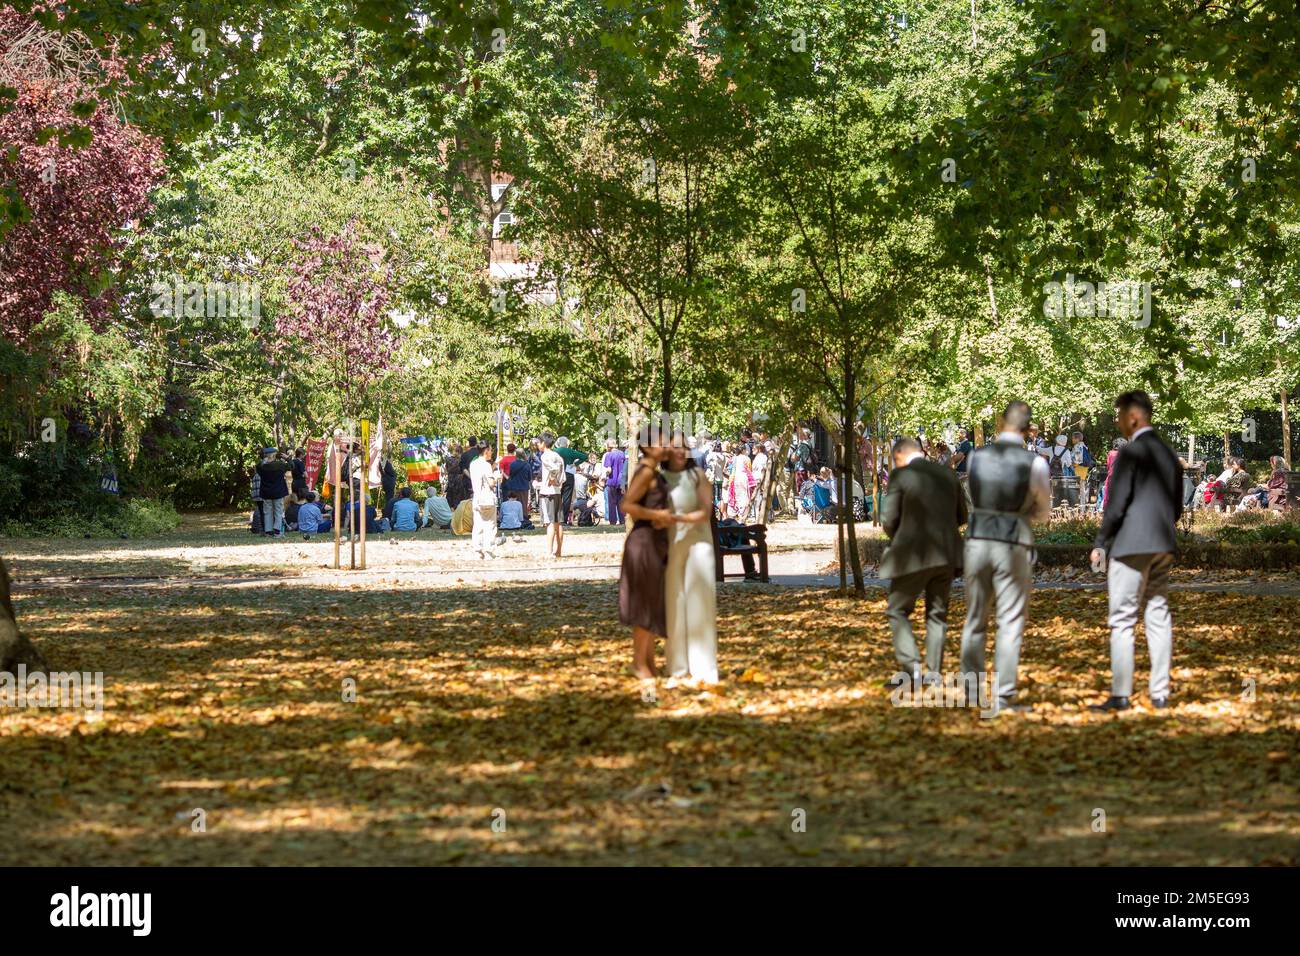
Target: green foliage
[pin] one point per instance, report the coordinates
(69, 373)
(239, 218)
(53, 490)
(1075, 530)
(630, 211)
(795, 144)
(1244, 528)
(1236, 528)
(109, 517)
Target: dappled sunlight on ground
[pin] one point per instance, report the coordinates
(508, 703)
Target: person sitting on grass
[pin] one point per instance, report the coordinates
(437, 512)
(512, 515)
(589, 508)
(310, 518)
(374, 526)
(406, 513)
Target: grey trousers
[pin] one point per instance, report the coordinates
(1136, 580)
(934, 584)
(1005, 573)
(272, 515)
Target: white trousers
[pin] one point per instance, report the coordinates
(692, 610)
(1137, 582)
(485, 529)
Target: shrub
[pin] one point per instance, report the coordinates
(109, 517)
(1246, 540)
(1081, 530)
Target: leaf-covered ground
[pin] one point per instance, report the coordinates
(508, 702)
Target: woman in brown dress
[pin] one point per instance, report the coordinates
(645, 555)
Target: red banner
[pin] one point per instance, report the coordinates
(315, 455)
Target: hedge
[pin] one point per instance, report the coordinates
(1208, 555)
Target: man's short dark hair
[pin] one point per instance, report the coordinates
(1135, 399)
(1015, 417)
(548, 439)
(906, 444)
(311, 496)
(472, 441)
(405, 492)
(510, 448)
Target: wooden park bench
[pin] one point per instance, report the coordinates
(1293, 489)
(754, 541)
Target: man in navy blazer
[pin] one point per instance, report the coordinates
(1137, 539)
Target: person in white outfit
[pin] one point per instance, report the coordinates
(690, 599)
(483, 482)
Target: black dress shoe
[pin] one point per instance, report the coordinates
(1160, 703)
(898, 680)
(1013, 708)
(1112, 703)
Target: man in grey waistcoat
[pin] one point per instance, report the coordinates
(1009, 487)
(1137, 538)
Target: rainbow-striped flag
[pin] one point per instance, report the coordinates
(418, 459)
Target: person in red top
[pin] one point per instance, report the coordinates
(506, 459)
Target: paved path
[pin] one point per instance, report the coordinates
(802, 569)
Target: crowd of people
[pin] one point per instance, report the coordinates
(1235, 489)
(479, 493)
(592, 485)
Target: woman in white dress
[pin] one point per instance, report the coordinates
(689, 591)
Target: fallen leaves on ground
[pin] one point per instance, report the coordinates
(497, 724)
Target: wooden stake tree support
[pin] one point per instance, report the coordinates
(356, 521)
(339, 464)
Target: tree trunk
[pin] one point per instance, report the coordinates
(279, 393)
(666, 399)
(842, 552)
(1286, 422)
(15, 648)
(1227, 448)
(846, 499)
(769, 479)
(857, 462)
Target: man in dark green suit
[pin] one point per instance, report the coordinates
(922, 512)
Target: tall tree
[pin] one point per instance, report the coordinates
(625, 202)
